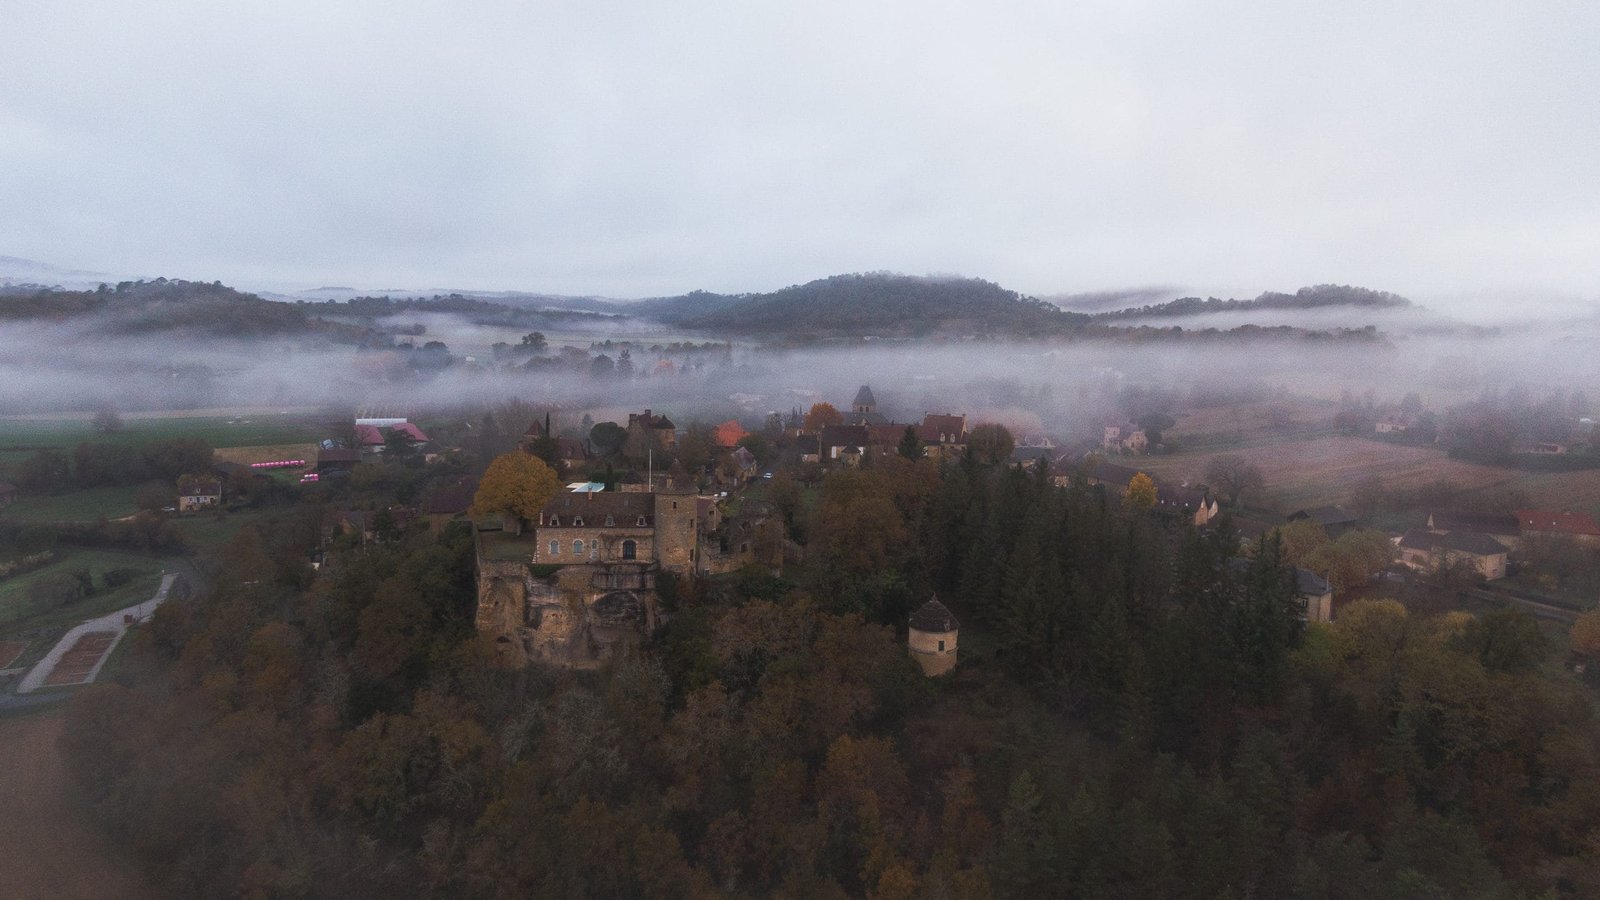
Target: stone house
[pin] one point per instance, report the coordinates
(839, 442)
(1317, 594)
(943, 435)
(1503, 527)
(1197, 505)
(647, 431)
(1426, 550)
(1124, 439)
(931, 638)
(196, 492)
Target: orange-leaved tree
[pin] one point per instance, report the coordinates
(1141, 491)
(516, 484)
(822, 414)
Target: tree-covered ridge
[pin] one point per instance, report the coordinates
(1317, 296)
(1137, 714)
(163, 304)
(866, 304)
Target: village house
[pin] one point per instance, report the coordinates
(943, 435)
(744, 465)
(1546, 523)
(1503, 527)
(1316, 593)
(1427, 550)
(1197, 505)
(808, 447)
(1124, 439)
(843, 443)
(648, 431)
(196, 492)
(1333, 519)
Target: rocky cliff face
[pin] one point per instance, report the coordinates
(578, 617)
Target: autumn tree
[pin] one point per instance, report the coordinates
(821, 415)
(1235, 477)
(1141, 491)
(516, 484)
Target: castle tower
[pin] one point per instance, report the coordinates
(865, 403)
(932, 638)
(677, 530)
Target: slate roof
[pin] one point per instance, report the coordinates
(1460, 541)
(1559, 522)
(934, 618)
(1482, 523)
(844, 436)
(1310, 583)
(199, 486)
(864, 397)
(944, 428)
(624, 509)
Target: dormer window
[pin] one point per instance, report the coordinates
(641, 521)
(577, 522)
(610, 521)
(555, 521)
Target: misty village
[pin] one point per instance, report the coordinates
(721, 451)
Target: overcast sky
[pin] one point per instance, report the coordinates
(629, 149)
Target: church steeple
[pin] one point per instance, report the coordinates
(864, 403)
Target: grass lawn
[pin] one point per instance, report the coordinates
(20, 612)
(77, 506)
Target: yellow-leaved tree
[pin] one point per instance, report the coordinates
(516, 484)
(1141, 491)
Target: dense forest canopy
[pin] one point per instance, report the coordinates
(1137, 714)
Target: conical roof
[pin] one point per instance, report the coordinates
(934, 618)
(864, 397)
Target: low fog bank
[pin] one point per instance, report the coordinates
(1054, 387)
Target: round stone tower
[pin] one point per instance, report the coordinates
(932, 638)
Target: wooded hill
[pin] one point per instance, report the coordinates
(1315, 297)
(165, 305)
(867, 304)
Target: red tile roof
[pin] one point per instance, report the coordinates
(1559, 522)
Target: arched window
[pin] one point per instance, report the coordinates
(555, 548)
(630, 550)
(577, 548)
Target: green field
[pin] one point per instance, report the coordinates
(19, 438)
(76, 506)
(19, 611)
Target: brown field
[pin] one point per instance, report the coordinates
(11, 651)
(50, 845)
(76, 664)
(1302, 473)
(248, 455)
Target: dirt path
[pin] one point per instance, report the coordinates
(50, 845)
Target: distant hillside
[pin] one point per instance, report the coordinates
(866, 304)
(1318, 296)
(164, 305)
